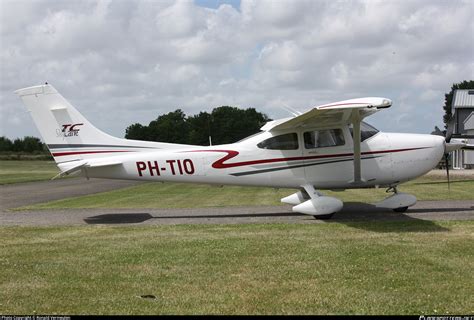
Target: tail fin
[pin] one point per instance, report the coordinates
(68, 135)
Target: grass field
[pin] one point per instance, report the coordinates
(410, 267)
(415, 267)
(13, 171)
(175, 195)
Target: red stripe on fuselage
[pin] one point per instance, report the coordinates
(219, 164)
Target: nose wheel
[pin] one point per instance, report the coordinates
(401, 209)
(398, 201)
(395, 191)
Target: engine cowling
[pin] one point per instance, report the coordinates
(322, 205)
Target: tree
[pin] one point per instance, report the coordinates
(231, 124)
(225, 125)
(6, 144)
(27, 144)
(199, 129)
(170, 127)
(136, 131)
(17, 145)
(448, 98)
(32, 144)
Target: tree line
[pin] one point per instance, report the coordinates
(224, 124)
(24, 145)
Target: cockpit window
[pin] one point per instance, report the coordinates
(366, 131)
(323, 138)
(287, 141)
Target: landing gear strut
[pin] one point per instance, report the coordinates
(314, 203)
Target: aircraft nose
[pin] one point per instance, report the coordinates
(439, 143)
(438, 146)
(422, 152)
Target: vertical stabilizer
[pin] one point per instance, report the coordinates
(68, 135)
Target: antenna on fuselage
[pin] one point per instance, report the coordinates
(289, 109)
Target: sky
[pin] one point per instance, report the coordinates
(124, 62)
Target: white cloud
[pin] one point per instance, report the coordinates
(137, 59)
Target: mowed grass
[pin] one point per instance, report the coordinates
(176, 195)
(414, 267)
(13, 171)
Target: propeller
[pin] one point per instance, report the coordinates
(449, 134)
(457, 144)
(446, 158)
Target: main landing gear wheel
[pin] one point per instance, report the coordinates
(324, 216)
(401, 209)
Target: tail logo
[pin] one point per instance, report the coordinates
(68, 130)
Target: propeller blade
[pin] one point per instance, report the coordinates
(446, 157)
(450, 129)
(455, 145)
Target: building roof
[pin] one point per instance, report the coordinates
(463, 98)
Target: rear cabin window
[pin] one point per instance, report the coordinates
(287, 141)
(323, 138)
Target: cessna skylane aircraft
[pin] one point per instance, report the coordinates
(326, 147)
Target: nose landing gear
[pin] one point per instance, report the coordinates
(398, 201)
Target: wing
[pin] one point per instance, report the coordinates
(333, 114)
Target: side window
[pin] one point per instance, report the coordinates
(287, 141)
(323, 138)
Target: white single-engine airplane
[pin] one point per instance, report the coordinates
(326, 147)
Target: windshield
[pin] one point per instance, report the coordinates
(366, 131)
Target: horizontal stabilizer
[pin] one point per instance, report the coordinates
(70, 170)
(88, 164)
(96, 164)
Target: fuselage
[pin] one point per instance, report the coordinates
(313, 149)
(321, 157)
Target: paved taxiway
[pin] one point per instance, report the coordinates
(28, 193)
(24, 194)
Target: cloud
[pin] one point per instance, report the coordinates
(122, 62)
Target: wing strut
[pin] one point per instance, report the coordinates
(356, 119)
